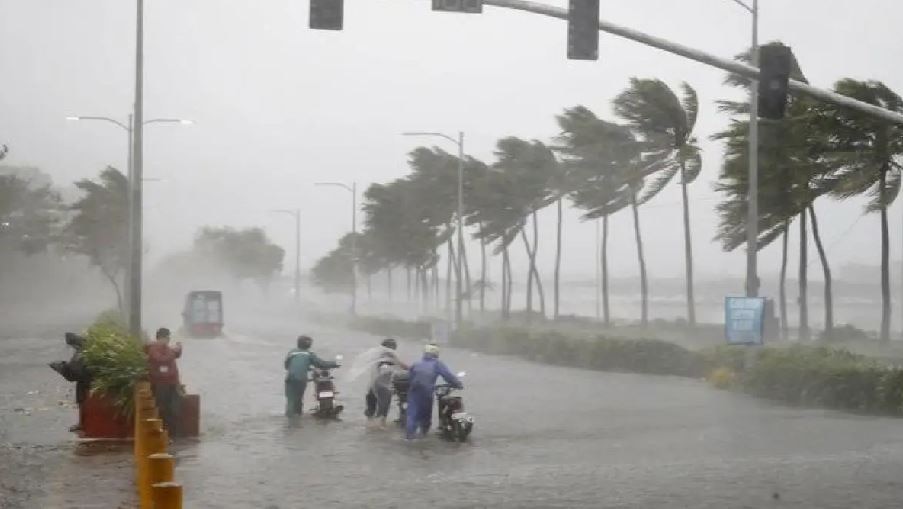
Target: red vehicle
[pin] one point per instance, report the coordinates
(202, 316)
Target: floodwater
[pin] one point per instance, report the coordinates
(545, 437)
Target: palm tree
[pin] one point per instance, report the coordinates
(665, 122)
(397, 223)
(532, 166)
(499, 212)
(592, 158)
(866, 156)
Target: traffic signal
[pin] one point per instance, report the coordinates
(468, 6)
(583, 30)
(326, 14)
(775, 62)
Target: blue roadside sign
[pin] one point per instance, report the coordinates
(744, 318)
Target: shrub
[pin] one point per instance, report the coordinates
(115, 359)
(722, 378)
(584, 351)
(730, 357)
(393, 327)
(825, 377)
(799, 374)
(845, 332)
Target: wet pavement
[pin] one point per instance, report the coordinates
(41, 465)
(545, 437)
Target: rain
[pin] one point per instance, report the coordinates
(458, 253)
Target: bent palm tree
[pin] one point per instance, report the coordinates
(866, 155)
(666, 123)
(593, 154)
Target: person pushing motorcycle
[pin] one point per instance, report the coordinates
(297, 363)
(423, 375)
(379, 395)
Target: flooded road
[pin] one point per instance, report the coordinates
(545, 437)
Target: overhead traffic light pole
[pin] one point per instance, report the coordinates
(724, 64)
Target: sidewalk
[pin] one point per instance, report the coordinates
(41, 464)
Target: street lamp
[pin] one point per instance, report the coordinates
(353, 190)
(129, 129)
(135, 179)
(460, 143)
(752, 216)
(296, 213)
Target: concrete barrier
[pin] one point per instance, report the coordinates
(154, 466)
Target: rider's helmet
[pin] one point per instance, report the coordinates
(390, 343)
(305, 342)
(431, 350)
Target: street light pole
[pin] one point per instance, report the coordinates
(752, 219)
(459, 308)
(354, 249)
(752, 192)
(296, 213)
(130, 172)
(130, 129)
(135, 227)
(459, 293)
(353, 190)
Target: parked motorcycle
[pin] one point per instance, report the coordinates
(325, 392)
(401, 382)
(454, 423)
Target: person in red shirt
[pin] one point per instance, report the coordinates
(164, 377)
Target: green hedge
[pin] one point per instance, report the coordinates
(552, 347)
(816, 376)
(825, 377)
(585, 351)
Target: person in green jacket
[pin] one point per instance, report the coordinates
(297, 363)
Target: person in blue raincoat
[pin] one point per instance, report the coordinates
(423, 375)
(297, 363)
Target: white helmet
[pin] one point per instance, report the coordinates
(431, 349)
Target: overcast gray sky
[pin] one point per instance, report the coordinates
(279, 106)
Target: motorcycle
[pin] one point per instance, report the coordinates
(324, 391)
(454, 423)
(400, 383)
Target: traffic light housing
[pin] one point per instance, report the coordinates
(327, 14)
(467, 6)
(583, 29)
(775, 65)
